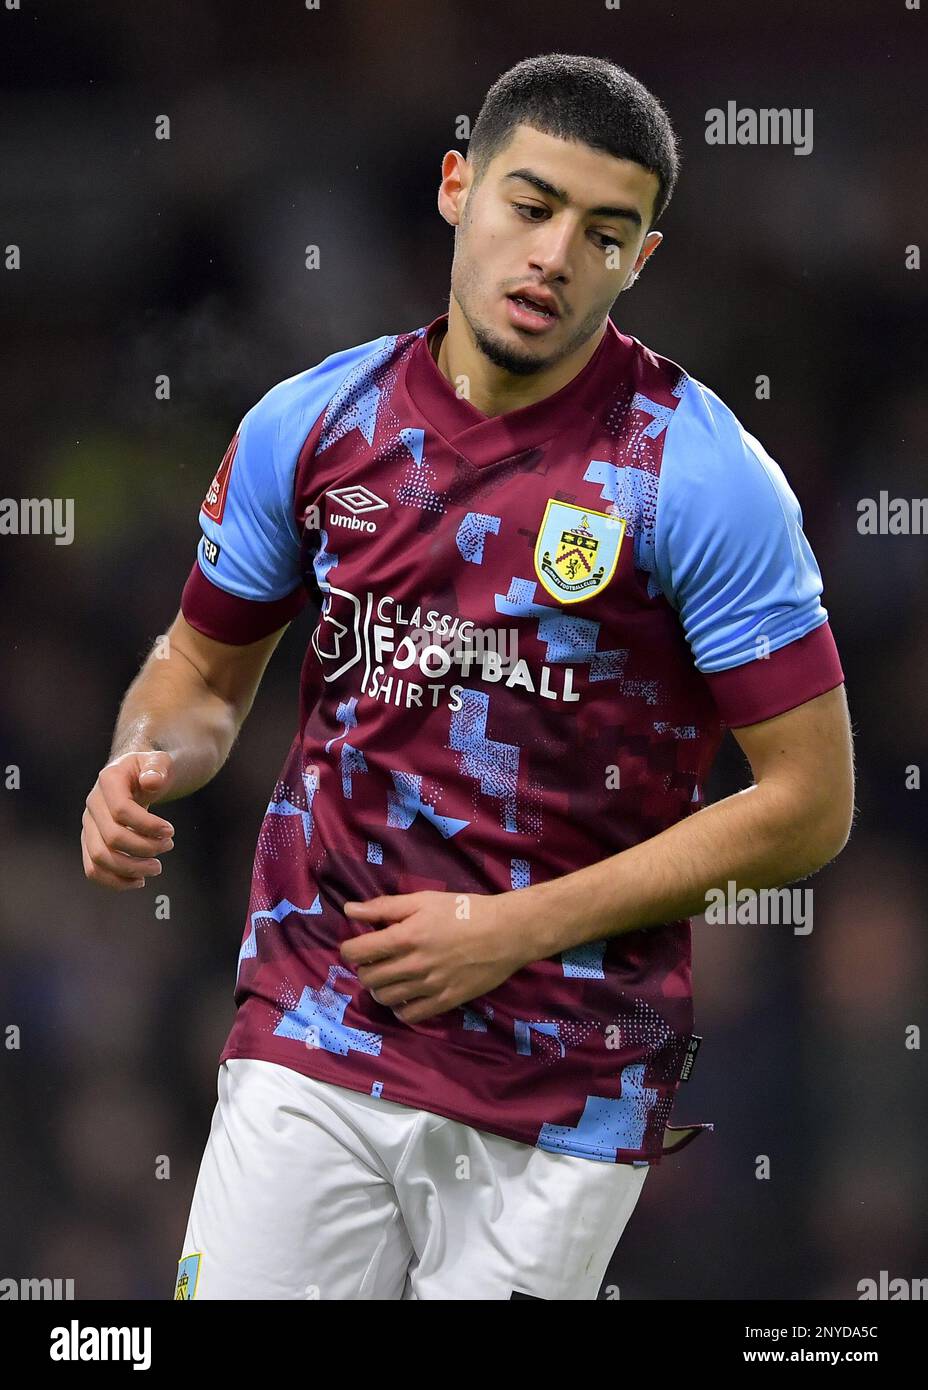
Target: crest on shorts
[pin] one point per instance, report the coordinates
(188, 1272)
(577, 550)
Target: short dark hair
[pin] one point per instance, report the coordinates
(579, 98)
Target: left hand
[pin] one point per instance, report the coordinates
(436, 950)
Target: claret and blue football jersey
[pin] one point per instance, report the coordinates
(532, 631)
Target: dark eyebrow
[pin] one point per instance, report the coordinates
(543, 186)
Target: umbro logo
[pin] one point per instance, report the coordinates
(357, 500)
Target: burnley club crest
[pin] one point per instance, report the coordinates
(577, 550)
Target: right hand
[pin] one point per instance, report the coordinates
(121, 838)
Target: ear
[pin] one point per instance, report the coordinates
(456, 179)
(650, 244)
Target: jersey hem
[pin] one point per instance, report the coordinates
(504, 1132)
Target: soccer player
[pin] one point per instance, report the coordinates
(551, 568)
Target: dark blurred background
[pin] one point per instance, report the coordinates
(142, 257)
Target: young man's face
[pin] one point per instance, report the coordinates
(514, 235)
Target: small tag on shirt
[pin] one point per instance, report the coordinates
(689, 1061)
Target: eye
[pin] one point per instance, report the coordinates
(526, 209)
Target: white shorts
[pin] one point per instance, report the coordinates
(313, 1191)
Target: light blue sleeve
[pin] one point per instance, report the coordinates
(729, 548)
(256, 545)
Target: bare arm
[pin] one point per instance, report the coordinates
(427, 959)
(191, 702)
(795, 818)
(175, 729)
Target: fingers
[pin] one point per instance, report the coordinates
(403, 993)
(398, 982)
(105, 867)
(390, 907)
(118, 787)
(374, 946)
(420, 1010)
(398, 991)
(381, 975)
(95, 872)
(120, 839)
(154, 773)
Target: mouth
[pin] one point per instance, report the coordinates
(530, 313)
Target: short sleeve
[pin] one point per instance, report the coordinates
(247, 580)
(732, 558)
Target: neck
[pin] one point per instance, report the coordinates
(491, 389)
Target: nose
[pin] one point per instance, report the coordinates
(552, 250)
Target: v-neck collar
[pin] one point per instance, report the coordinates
(485, 439)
